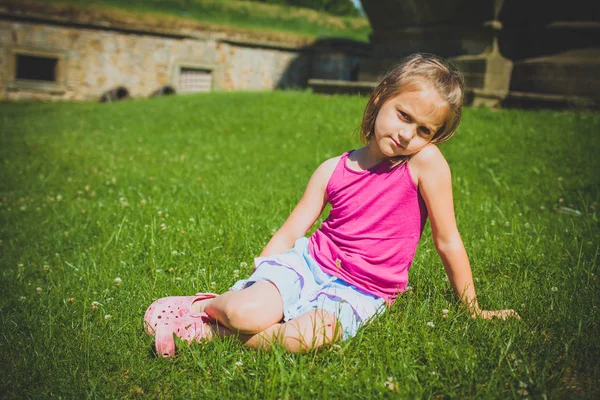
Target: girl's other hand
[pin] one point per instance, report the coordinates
(489, 314)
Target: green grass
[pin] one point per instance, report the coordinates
(86, 190)
(247, 15)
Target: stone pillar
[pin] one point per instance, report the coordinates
(487, 75)
(465, 31)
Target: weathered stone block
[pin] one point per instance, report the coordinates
(487, 77)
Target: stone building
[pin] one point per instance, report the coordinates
(68, 55)
(535, 51)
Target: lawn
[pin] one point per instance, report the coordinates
(106, 207)
(254, 19)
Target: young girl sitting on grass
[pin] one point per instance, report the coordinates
(308, 292)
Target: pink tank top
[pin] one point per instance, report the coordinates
(370, 237)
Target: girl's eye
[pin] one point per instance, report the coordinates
(425, 131)
(404, 116)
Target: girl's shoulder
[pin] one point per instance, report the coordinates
(324, 171)
(332, 162)
(427, 162)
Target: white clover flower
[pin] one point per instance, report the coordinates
(409, 288)
(239, 364)
(163, 227)
(523, 392)
(38, 289)
(445, 311)
(174, 252)
(107, 316)
(191, 219)
(118, 281)
(158, 270)
(243, 264)
(390, 383)
(430, 324)
(554, 289)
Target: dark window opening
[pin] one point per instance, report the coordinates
(36, 68)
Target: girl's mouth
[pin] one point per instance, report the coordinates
(397, 143)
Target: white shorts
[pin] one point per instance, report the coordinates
(304, 287)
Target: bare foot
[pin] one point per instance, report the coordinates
(200, 305)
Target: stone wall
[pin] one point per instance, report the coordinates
(96, 61)
(93, 60)
(244, 65)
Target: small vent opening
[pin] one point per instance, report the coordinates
(194, 80)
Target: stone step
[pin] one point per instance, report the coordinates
(331, 86)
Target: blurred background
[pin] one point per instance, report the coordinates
(523, 53)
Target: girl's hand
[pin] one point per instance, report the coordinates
(489, 314)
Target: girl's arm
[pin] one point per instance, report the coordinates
(432, 172)
(305, 213)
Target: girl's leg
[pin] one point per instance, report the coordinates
(309, 331)
(247, 311)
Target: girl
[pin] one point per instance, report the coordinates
(308, 292)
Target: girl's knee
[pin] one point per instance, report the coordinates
(246, 314)
(311, 332)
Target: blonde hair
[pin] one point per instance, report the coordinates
(442, 75)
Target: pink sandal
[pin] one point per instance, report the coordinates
(171, 309)
(190, 327)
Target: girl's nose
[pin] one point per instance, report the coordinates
(407, 134)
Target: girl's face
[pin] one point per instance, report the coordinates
(408, 122)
